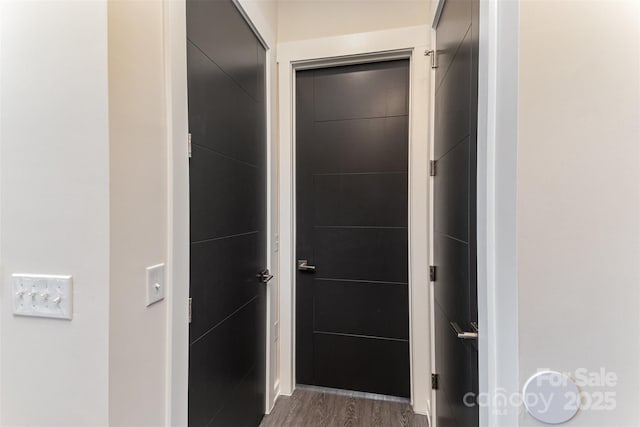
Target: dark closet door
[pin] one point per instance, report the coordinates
(226, 81)
(352, 310)
(456, 310)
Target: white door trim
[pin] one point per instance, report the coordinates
(177, 373)
(365, 47)
(497, 177)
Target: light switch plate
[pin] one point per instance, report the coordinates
(155, 284)
(43, 296)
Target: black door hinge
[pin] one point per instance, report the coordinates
(432, 168)
(432, 273)
(434, 381)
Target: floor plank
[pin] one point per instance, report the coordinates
(322, 409)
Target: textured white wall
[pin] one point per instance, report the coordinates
(55, 208)
(309, 19)
(579, 196)
(138, 211)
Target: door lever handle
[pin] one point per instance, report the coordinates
(304, 266)
(264, 276)
(463, 335)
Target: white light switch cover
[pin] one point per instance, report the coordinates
(155, 284)
(43, 296)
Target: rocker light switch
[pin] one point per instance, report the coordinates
(155, 284)
(42, 296)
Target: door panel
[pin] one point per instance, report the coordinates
(360, 145)
(218, 284)
(454, 298)
(377, 254)
(225, 66)
(455, 248)
(460, 13)
(362, 364)
(235, 121)
(364, 199)
(453, 99)
(218, 181)
(452, 192)
(218, 362)
(344, 93)
(352, 312)
(221, 33)
(367, 308)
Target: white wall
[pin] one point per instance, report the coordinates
(138, 211)
(55, 208)
(579, 196)
(309, 19)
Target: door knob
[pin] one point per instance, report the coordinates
(264, 276)
(304, 266)
(464, 335)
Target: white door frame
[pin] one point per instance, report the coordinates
(497, 193)
(410, 42)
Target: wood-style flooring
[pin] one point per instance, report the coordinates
(321, 409)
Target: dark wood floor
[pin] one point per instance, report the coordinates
(321, 409)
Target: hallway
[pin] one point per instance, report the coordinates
(230, 213)
(321, 409)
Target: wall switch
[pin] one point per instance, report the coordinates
(43, 296)
(155, 284)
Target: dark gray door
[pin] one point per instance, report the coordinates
(226, 81)
(352, 311)
(456, 110)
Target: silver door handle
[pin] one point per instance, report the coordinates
(264, 276)
(304, 266)
(465, 335)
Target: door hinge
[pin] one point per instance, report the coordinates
(190, 310)
(432, 168)
(432, 53)
(434, 381)
(432, 273)
(189, 145)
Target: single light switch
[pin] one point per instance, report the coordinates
(155, 284)
(43, 296)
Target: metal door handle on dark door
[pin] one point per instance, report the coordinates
(264, 276)
(463, 334)
(304, 266)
